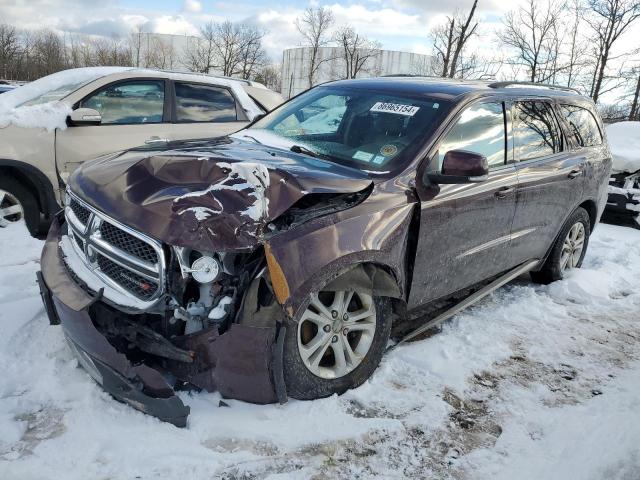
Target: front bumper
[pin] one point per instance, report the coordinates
(244, 363)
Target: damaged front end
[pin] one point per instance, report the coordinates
(197, 301)
(142, 357)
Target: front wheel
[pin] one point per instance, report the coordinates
(568, 250)
(336, 344)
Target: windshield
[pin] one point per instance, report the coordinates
(356, 127)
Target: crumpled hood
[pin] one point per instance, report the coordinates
(212, 195)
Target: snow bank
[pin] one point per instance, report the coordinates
(624, 142)
(51, 113)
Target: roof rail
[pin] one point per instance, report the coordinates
(533, 84)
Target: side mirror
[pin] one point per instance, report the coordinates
(85, 116)
(461, 166)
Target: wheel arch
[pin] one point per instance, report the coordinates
(34, 180)
(592, 209)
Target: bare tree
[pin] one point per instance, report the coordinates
(634, 113)
(357, 50)
(532, 32)
(160, 54)
(609, 20)
(314, 27)
(199, 54)
(135, 45)
(271, 76)
(9, 50)
(251, 55)
(443, 37)
(464, 32)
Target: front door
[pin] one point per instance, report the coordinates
(133, 112)
(465, 229)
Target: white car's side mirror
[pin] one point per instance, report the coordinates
(85, 116)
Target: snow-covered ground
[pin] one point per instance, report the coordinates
(536, 382)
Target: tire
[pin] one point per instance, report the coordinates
(31, 214)
(556, 264)
(303, 383)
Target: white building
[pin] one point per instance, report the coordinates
(295, 66)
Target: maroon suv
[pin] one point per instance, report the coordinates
(273, 263)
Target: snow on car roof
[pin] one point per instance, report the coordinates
(624, 143)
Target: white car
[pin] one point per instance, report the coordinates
(50, 126)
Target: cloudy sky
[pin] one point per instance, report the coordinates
(398, 24)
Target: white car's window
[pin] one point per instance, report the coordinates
(480, 129)
(204, 103)
(140, 101)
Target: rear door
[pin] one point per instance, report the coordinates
(465, 229)
(550, 178)
(205, 111)
(133, 112)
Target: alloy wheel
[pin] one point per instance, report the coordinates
(572, 247)
(335, 332)
(10, 209)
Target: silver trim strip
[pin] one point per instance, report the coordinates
(495, 242)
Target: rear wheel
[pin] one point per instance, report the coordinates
(336, 344)
(568, 250)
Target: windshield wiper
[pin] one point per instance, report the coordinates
(306, 151)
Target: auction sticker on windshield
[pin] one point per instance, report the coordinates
(407, 110)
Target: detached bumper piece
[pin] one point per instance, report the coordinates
(237, 363)
(623, 202)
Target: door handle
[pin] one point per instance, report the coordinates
(575, 173)
(156, 140)
(503, 192)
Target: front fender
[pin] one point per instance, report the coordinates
(307, 258)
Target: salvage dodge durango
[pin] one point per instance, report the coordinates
(274, 262)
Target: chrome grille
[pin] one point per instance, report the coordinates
(116, 257)
(81, 213)
(130, 244)
(141, 287)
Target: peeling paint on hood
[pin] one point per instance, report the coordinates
(212, 195)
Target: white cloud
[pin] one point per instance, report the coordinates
(192, 6)
(171, 24)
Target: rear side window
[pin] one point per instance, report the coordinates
(129, 102)
(582, 125)
(204, 103)
(480, 129)
(535, 131)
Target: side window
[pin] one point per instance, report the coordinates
(480, 129)
(129, 102)
(204, 103)
(535, 131)
(583, 126)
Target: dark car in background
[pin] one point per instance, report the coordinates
(274, 262)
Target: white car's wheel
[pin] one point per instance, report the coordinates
(10, 209)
